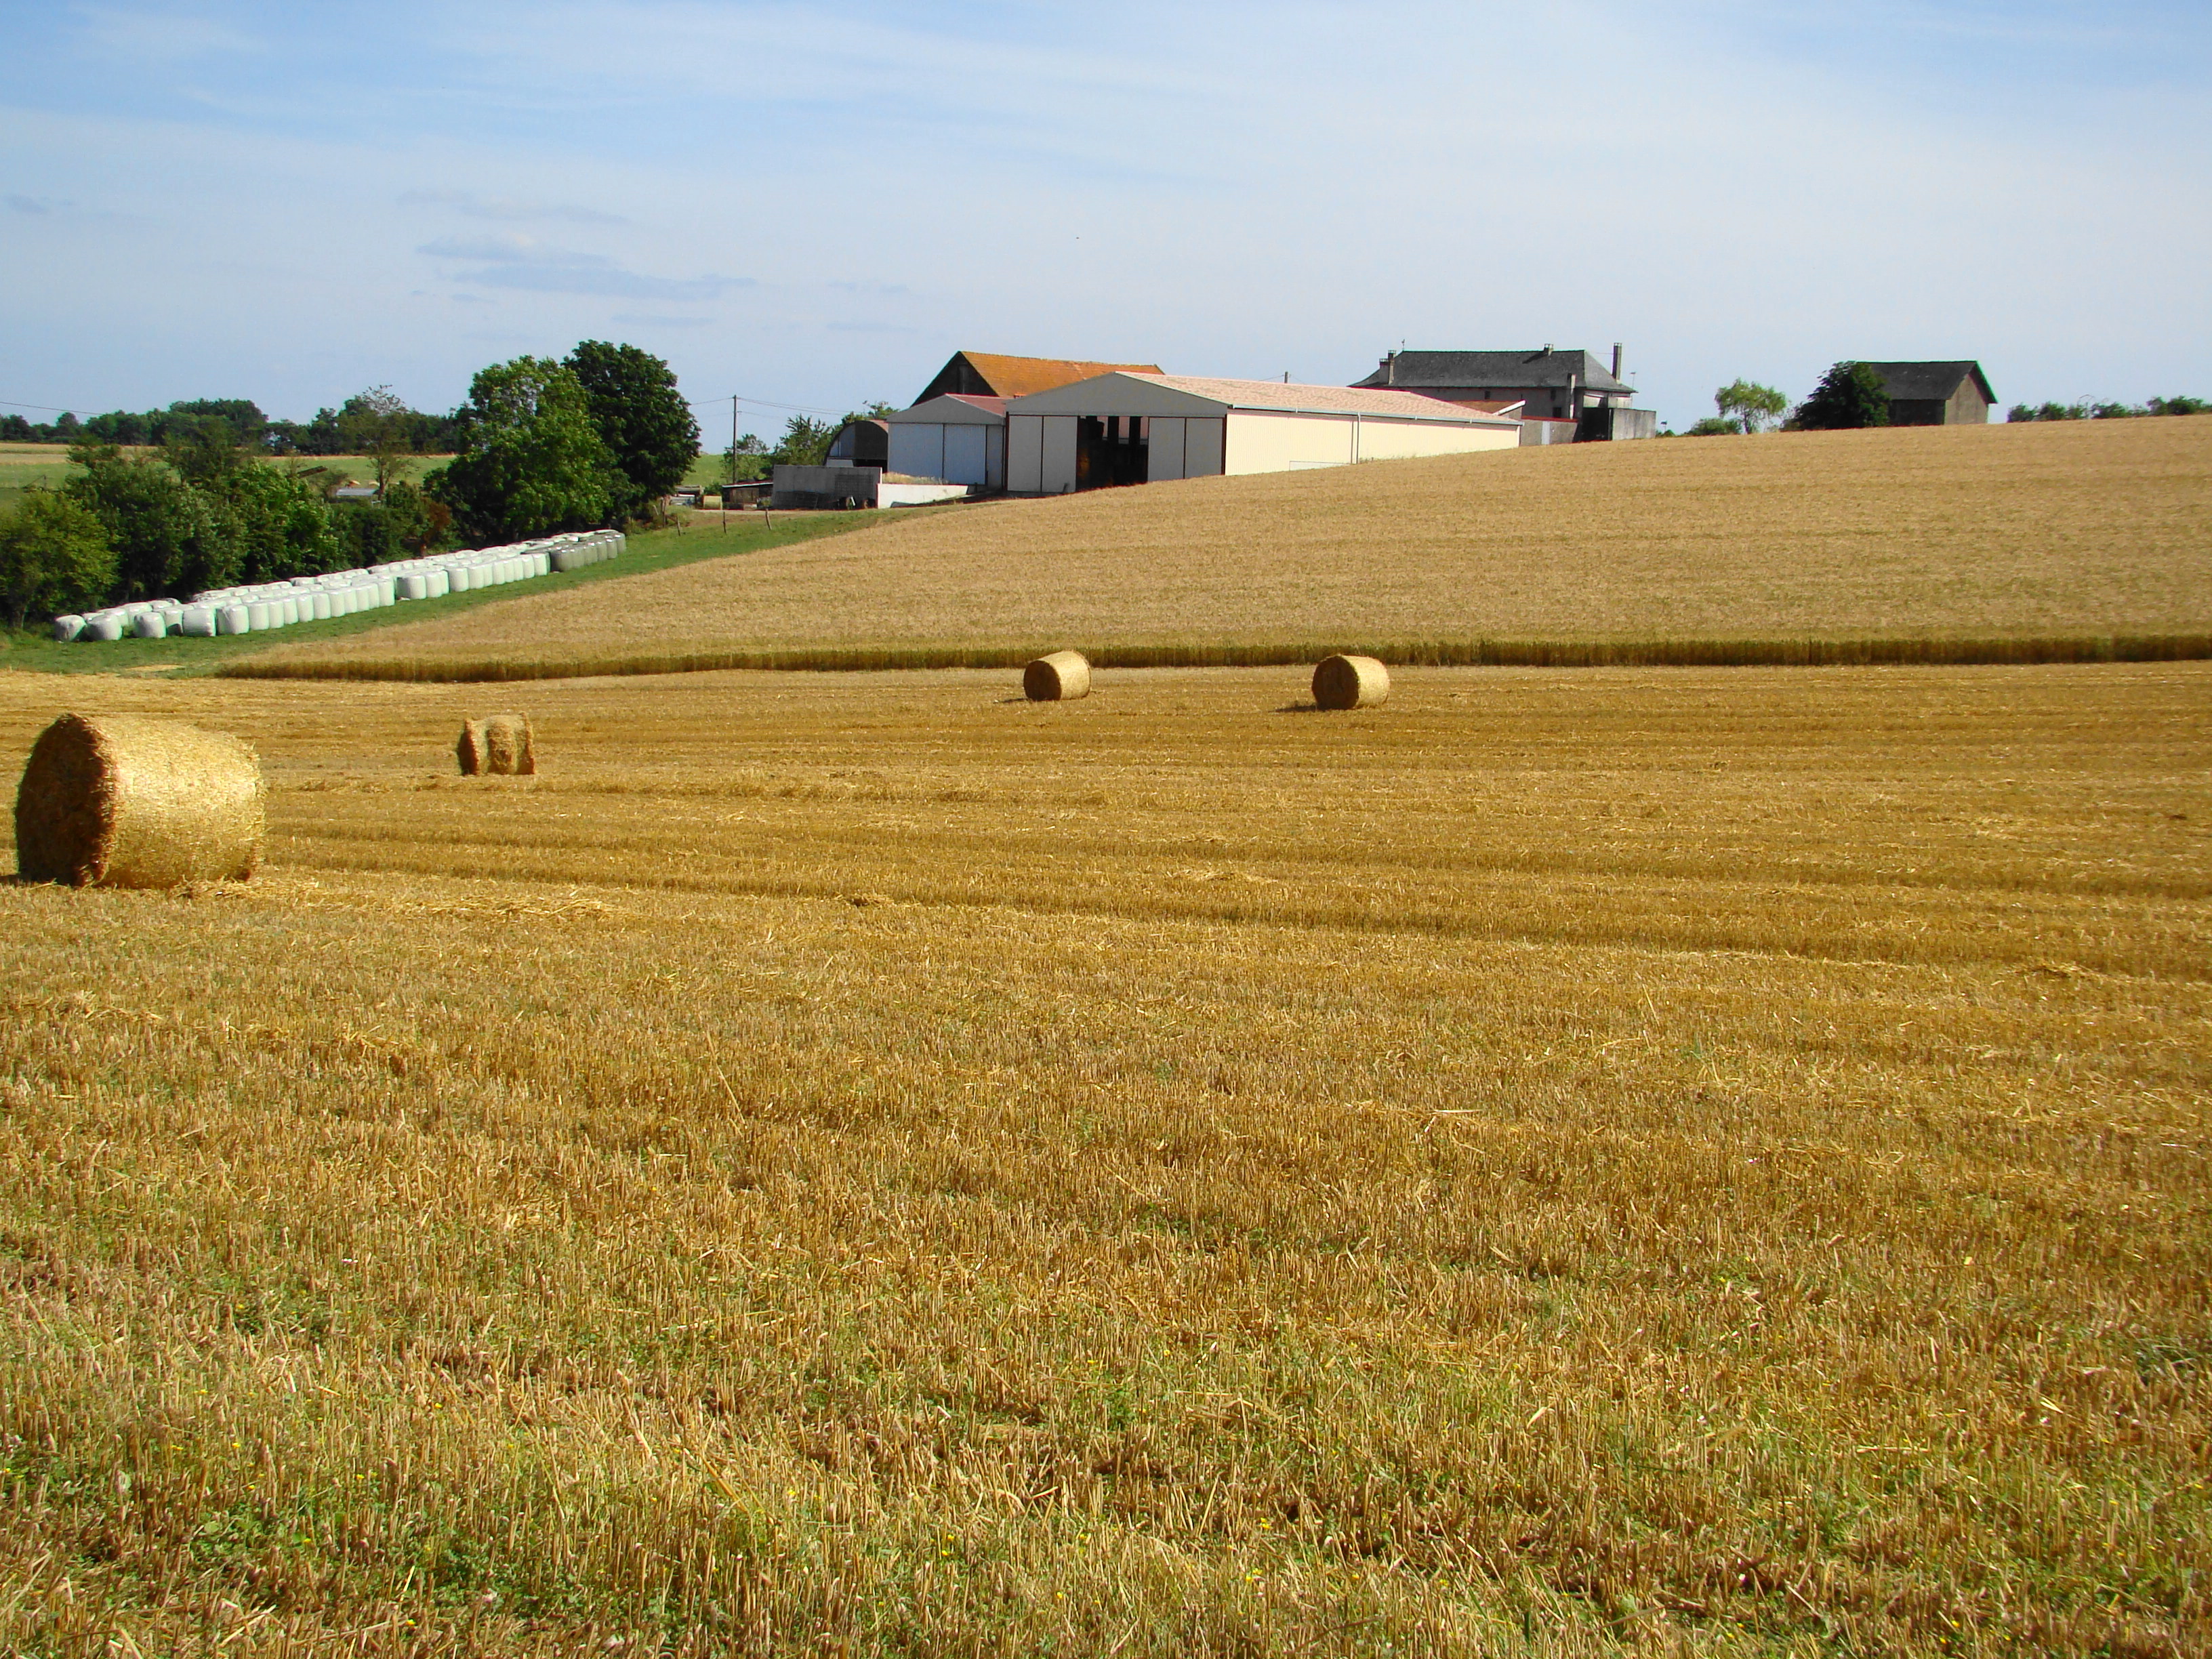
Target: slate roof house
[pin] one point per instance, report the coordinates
(1551, 385)
(1936, 394)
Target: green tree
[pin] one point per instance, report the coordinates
(378, 424)
(804, 442)
(1849, 395)
(54, 557)
(202, 447)
(169, 538)
(640, 417)
(1749, 403)
(530, 462)
(284, 526)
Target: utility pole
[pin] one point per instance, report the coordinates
(733, 460)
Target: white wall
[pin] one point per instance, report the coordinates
(1025, 454)
(917, 449)
(1058, 472)
(964, 454)
(1203, 448)
(1261, 441)
(1163, 449)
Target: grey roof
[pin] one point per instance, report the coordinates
(1413, 370)
(1915, 382)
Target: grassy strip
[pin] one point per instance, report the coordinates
(658, 549)
(1449, 653)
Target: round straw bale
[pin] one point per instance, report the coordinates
(130, 800)
(1060, 677)
(1343, 681)
(501, 746)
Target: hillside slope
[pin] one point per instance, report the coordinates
(2094, 526)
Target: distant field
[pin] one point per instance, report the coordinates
(2091, 527)
(1709, 1162)
(24, 464)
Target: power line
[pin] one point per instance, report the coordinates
(48, 408)
(761, 403)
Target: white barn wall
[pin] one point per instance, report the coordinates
(917, 449)
(1058, 472)
(1202, 448)
(1266, 441)
(1025, 454)
(1163, 449)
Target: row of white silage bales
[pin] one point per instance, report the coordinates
(257, 609)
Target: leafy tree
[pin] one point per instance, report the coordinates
(283, 524)
(745, 462)
(2179, 406)
(378, 424)
(804, 442)
(530, 461)
(398, 525)
(168, 536)
(15, 429)
(202, 447)
(54, 557)
(1714, 426)
(640, 417)
(1750, 402)
(1849, 395)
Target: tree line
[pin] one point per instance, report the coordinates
(332, 431)
(1852, 395)
(541, 445)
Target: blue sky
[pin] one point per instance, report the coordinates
(813, 205)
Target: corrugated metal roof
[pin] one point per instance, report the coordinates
(1293, 398)
(1018, 377)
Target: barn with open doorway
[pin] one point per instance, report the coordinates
(1125, 429)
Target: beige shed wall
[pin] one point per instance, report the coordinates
(1260, 440)
(1025, 454)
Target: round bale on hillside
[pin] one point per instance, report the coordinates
(1060, 677)
(131, 800)
(1342, 682)
(500, 746)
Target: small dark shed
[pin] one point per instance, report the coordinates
(1936, 394)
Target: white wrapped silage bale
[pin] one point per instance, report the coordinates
(102, 625)
(321, 605)
(260, 617)
(232, 619)
(415, 585)
(440, 584)
(150, 625)
(196, 622)
(69, 626)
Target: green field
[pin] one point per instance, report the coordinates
(23, 465)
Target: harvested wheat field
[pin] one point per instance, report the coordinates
(1567, 1161)
(2045, 531)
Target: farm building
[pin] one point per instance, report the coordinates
(956, 437)
(1936, 394)
(1550, 385)
(864, 442)
(986, 374)
(1124, 429)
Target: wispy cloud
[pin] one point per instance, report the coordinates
(476, 205)
(527, 266)
(612, 284)
(158, 36)
(39, 205)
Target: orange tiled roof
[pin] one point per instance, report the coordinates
(1018, 377)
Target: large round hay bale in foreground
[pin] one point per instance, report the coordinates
(1343, 681)
(1060, 677)
(133, 800)
(499, 747)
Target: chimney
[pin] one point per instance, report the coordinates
(1616, 359)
